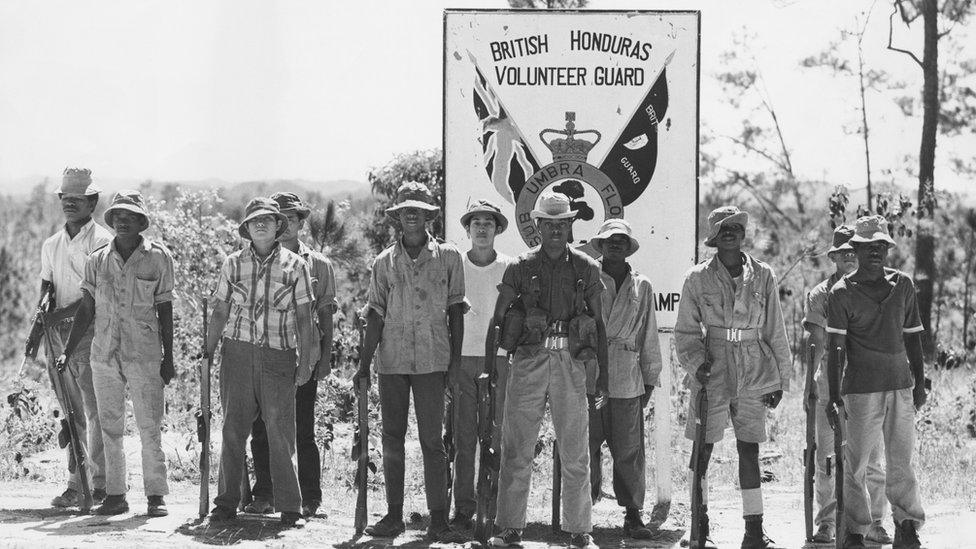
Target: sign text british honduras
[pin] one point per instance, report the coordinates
(600, 106)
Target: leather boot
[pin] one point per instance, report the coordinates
(755, 537)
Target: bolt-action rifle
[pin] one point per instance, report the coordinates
(78, 462)
(810, 452)
(360, 449)
(489, 461)
(203, 421)
(449, 446)
(699, 462)
(840, 440)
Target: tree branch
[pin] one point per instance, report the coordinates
(760, 152)
(891, 28)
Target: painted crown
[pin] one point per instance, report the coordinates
(569, 147)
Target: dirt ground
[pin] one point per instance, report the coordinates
(26, 520)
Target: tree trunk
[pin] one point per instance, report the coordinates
(925, 271)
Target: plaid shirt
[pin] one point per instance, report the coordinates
(263, 296)
(323, 278)
(412, 296)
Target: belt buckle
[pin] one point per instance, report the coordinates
(734, 335)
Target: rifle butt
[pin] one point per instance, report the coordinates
(362, 469)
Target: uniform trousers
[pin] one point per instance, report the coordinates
(539, 375)
(871, 418)
(621, 424)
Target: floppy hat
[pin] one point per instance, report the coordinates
(611, 227)
(258, 207)
(872, 228)
(77, 181)
(413, 195)
(552, 205)
(842, 236)
(130, 201)
(725, 215)
(485, 207)
(289, 202)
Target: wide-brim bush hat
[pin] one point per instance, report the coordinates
(485, 207)
(552, 205)
(289, 202)
(130, 201)
(258, 207)
(872, 228)
(611, 227)
(842, 238)
(77, 182)
(726, 215)
(413, 195)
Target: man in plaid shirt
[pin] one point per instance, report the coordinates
(264, 297)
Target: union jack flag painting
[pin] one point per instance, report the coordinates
(507, 158)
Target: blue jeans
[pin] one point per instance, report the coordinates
(258, 380)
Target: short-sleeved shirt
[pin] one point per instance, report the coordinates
(481, 289)
(557, 280)
(63, 260)
(263, 296)
(816, 310)
(412, 296)
(126, 294)
(323, 278)
(874, 318)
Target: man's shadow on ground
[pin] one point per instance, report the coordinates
(69, 522)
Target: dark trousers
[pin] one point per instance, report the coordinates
(621, 424)
(428, 403)
(258, 380)
(309, 464)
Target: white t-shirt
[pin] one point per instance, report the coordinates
(481, 290)
(63, 260)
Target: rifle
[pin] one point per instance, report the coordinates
(699, 463)
(360, 448)
(840, 440)
(68, 421)
(810, 452)
(489, 462)
(449, 447)
(557, 487)
(203, 421)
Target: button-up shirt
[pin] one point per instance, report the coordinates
(874, 318)
(557, 280)
(63, 260)
(412, 296)
(263, 295)
(323, 278)
(126, 294)
(632, 338)
(710, 298)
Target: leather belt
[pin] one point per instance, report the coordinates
(735, 335)
(558, 327)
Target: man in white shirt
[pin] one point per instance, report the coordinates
(483, 270)
(63, 257)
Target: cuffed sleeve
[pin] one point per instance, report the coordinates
(379, 286)
(913, 320)
(455, 280)
(164, 290)
(223, 290)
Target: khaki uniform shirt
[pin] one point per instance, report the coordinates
(63, 260)
(126, 295)
(412, 296)
(557, 280)
(710, 298)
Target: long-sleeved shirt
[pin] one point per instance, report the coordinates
(632, 338)
(412, 296)
(711, 298)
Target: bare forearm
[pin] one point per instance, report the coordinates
(374, 329)
(327, 328)
(164, 311)
(834, 342)
(455, 322)
(307, 340)
(218, 321)
(913, 345)
(602, 352)
(83, 319)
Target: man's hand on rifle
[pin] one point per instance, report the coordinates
(703, 374)
(602, 394)
(166, 369)
(809, 397)
(362, 375)
(61, 362)
(834, 409)
(772, 399)
(646, 397)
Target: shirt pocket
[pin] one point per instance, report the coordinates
(433, 290)
(757, 306)
(282, 295)
(144, 293)
(714, 312)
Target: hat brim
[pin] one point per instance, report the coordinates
(845, 247)
(91, 190)
(430, 209)
(501, 222)
(246, 234)
(876, 237)
(599, 240)
(539, 214)
(742, 218)
(107, 216)
(302, 211)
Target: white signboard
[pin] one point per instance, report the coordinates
(601, 106)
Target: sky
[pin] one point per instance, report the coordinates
(246, 89)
